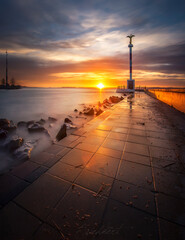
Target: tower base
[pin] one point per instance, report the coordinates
(131, 85)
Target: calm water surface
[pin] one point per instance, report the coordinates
(33, 103)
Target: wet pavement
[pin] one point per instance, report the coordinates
(119, 177)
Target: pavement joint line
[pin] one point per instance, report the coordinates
(103, 215)
(155, 197)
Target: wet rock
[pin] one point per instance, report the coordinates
(36, 127)
(114, 99)
(106, 101)
(24, 152)
(70, 126)
(76, 110)
(22, 124)
(52, 119)
(62, 133)
(99, 111)
(30, 123)
(12, 126)
(89, 112)
(67, 120)
(4, 123)
(13, 143)
(41, 121)
(3, 134)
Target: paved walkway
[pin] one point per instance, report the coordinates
(119, 177)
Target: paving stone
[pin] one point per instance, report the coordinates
(46, 159)
(80, 132)
(104, 127)
(77, 157)
(94, 140)
(63, 152)
(137, 132)
(118, 136)
(98, 133)
(25, 169)
(136, 174)
(96, 182)
(10, 186)
(65, 171)
(161, 143)
(114, 144)
(67, 140)
(163, 153)
(110, 152)
(169, 165)
(125, 222)
(16, 223)
(76, 142)
(171, 231)
(41, 197)
(54, 149)
(47, 232)
(137, 139)
(134, 196)
(87, 147)
(160, 135)
(137, 148)
(169, 182)
(103, 164)
(139, 126)
(120, 130)
(136, 158)
(36, 174)
(78, 213)
(171, 208)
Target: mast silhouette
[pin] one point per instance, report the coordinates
(6, 69)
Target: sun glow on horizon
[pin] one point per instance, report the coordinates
(100, 86)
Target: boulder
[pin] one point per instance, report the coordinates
(24, 152)
(114, 99)
(67, 120)
(106, 101)
(70, 126)
(3, 134)
(4, 123)
(76, 110)
(30, 123)
(22, 124)
(13, 143)
(36, 127)
(80, 113)
(89, 112)
(41, 121)
(99, 111)
(52, 119)
(62, 133)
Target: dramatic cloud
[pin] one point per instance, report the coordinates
(47, 39)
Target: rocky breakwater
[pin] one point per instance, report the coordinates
(16, 146)
(88, 110)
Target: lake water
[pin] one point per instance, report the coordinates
(35, 103)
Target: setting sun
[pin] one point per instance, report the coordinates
(100, 85)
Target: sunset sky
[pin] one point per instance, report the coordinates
(80, 43)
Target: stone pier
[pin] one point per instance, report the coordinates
(119, 177)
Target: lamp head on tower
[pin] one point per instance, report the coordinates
(131, 36)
